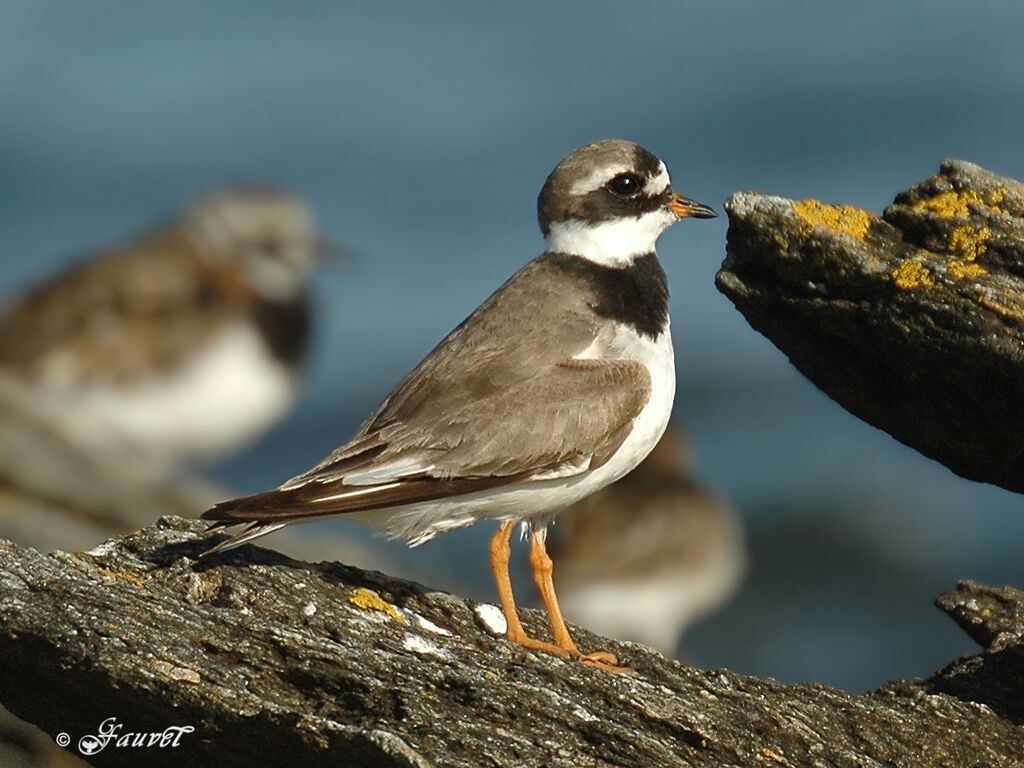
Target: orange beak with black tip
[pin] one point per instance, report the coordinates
(685, 208)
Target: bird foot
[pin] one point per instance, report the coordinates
(606, 661)
(596, 660)
(533, 644)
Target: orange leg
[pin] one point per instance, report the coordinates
(543, 568)
(500, 553)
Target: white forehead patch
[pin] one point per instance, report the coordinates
(659, 182)
(597, 179)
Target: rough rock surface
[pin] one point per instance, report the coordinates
(914, 321)
(279, 662)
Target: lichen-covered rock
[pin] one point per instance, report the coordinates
(994, 618)
(914, 321)
(273, 661)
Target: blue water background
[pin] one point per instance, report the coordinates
(422, 133)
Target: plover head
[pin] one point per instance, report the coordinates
(270, 233)
(609, 202)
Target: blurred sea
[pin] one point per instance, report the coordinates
(422, 133)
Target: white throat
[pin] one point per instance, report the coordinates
(614, 243)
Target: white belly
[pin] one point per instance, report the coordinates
(537, 500)
(219, 401)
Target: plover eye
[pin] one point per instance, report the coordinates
(625, 184)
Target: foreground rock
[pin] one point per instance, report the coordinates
(914, 321)
(277, 662)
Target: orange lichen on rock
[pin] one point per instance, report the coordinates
(912, 274)
(968, 243)
(367, 599)
(844, 219)
(123, 576)
(962, 269)
(955, 204)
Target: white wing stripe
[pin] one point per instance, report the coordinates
(352, 494)
(392, 470)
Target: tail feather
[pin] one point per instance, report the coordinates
(258, 511)
(253, 531)
(273, 510)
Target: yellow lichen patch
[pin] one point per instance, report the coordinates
(954, 204)
(912, 274)
(123, 576)
(949, 205)
(362, 597)
(963, 268)
(969, 242)
(844, 219)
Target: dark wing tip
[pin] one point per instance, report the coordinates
(221, 513)
(249, 509)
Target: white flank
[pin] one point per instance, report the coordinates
(611, 243)
(658, 356)
(565, 469)
(222, 399)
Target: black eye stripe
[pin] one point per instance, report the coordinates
(603, 182)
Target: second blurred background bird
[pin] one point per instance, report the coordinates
(649, 555)
(183, 345)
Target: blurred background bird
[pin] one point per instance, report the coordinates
(126, 369)
(649, 555)
(182, 345)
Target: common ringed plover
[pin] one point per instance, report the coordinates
(557, 385)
